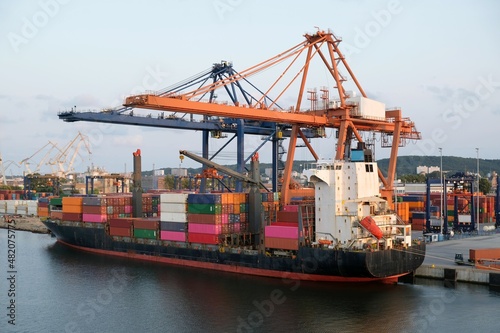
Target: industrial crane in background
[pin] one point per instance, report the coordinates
(27, 161)
(60, 160)
(349, 114)
(65, 159)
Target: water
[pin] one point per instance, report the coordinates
(63, 290)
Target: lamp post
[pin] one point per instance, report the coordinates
(441, 186)
(477, 177)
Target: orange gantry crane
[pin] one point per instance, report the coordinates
(351, 115)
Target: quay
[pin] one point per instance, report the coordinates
(440, 263)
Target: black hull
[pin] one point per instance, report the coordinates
(313, 262)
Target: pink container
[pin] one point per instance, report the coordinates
(199, 228)
(281, 232)
(128, 209)
(173, 236)
(95, 218)
(225, 218)
(291, 208)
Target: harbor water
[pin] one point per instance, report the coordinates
(48, 287)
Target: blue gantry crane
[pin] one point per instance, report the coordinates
(216, 127)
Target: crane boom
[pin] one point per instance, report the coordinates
(219, 167)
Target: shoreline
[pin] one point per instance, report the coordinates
(24, 223)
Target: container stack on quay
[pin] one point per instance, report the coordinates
(411, 209)
(18, 207)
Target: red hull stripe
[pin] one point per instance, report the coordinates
(236, 269)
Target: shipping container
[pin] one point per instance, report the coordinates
(281, 243)
(94, 218)
(282, 216)
(204, 208)
(213, 229)
(275, 231)
(173, 217)
(204, 218)
(121, 222)
(173, 207)
(173, 236)
(204, 199)
(144, 233)
(74, 217)
(482, 254)
(203, 238)
(173, 197)
(149, 224)
(117, 231)
(174, 226)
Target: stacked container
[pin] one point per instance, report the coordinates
(118, 206)
(270, 206)
(121, 227)
(284, 233)
(205, 218)
(94, 210)
(146, 227)
(72, 209)
(43, 207)
(173, 216)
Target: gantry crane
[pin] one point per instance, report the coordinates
(236, 91)
(346, 113)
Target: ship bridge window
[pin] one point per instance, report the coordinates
(369, 167)
(338, 167)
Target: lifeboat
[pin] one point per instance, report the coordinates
(369, 224)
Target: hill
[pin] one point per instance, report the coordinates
(407, 165)
(451, 164)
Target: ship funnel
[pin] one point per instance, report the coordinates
(137, 188)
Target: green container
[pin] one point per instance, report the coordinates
(144, 233)
(243, 208)
(55, 201)
(205, 209)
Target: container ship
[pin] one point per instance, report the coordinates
(341, 228)
(344, 233)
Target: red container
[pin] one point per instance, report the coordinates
(121, 222)
(205, 218)
(285, 224)
(291, 208)
(281, 243)
(203, 238)
(94, 209)
(123, 232)
(212, 229)
(282, 216)
(147, 224)
(75, 217)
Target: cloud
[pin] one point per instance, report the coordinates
(447, 94)
(83, 101)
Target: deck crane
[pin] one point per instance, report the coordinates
(349, 114)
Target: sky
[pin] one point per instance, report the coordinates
(437, 60)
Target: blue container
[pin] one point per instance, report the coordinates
(204, 198)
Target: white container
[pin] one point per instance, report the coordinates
(173, 217)
(169, 207)
(173, 197)
(366, 108)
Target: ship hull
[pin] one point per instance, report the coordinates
(313, 264)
